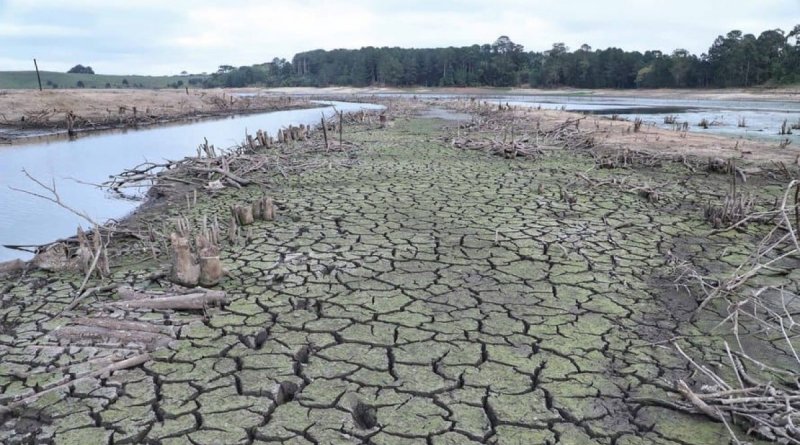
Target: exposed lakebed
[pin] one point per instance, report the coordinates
(455, 297)
(73, 165)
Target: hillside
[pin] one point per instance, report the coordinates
(52, 79)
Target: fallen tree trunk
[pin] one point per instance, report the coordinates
(98, 334)
(196, 300)
(113, 323)
(123, 364)
(11, 267)
(227, 174)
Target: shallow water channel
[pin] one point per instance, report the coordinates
(759, 119)
(92, 158)
(762, 118)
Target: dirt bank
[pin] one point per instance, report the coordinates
(28, 111)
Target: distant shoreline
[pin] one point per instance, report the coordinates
(26, 114)
(775, 94)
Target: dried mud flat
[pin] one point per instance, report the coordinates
(408, 292)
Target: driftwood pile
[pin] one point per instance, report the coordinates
(767, 409)
(501, 131)
(105, 330)
(651, 193)
(113, 343)
(214, 168)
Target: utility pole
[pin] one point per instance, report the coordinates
(39, 78)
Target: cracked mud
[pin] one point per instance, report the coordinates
(424, 295)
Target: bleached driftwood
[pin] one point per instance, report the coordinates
(200, 299)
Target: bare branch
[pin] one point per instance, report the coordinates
(55, 198)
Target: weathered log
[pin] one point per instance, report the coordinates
(196, 300)
(97, 334)
(54, 257)
(123, 364)
(185, 268)
(227, 174)
(125, 325)
(129, 293)
(718, 165)
(11, 267)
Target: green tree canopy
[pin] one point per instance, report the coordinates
(80, 69)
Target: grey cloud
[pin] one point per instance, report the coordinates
(161, 37)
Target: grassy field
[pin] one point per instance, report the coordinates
(52, 79)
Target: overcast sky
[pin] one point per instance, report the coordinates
(169, 36)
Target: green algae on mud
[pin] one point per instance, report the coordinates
(444, 288)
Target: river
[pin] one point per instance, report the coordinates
(74, 164)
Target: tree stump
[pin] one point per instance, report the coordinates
(233, 230)
(243, 215)
(70, 123)
(211, 270)
(83, 255)
(264, 209)
(185, 268)
(263, 138)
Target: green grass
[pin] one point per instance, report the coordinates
(52, 79)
